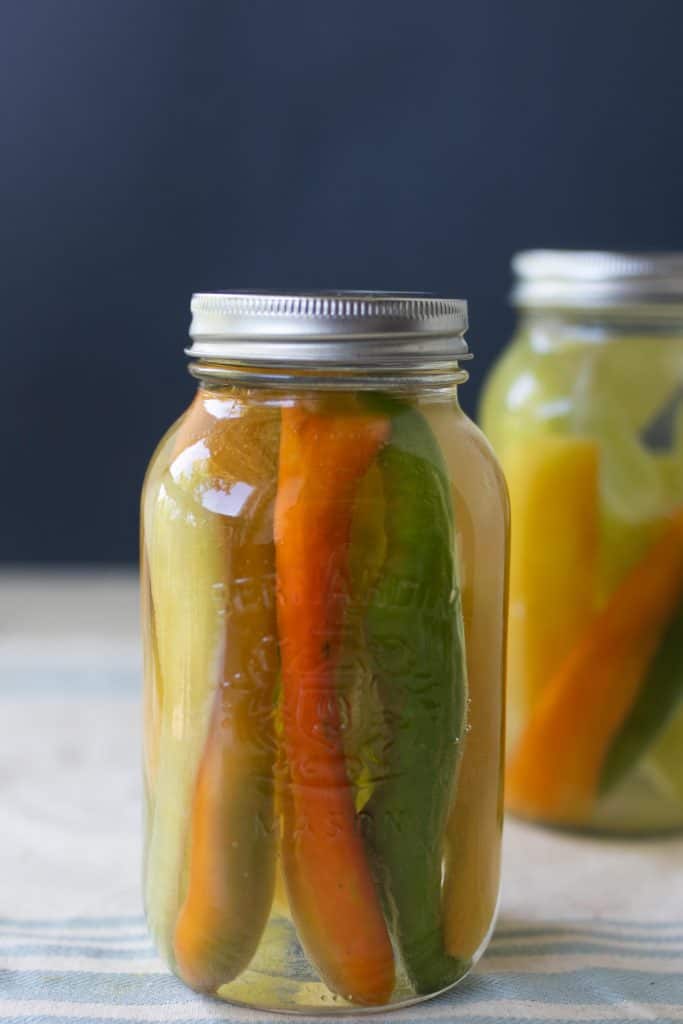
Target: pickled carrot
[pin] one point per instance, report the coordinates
(554, 772)
(331, 891)
(232, 833)
(232, 845)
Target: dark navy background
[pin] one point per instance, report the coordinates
(156, 147)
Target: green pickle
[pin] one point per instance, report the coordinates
(416, 641)
(659, 698)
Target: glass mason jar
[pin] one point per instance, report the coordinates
(585, 410)
(323, 563)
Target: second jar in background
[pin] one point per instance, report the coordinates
(585, 410)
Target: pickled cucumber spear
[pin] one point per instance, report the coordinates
(416, 642)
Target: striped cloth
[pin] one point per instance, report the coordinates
(105, 969)
(588, 930)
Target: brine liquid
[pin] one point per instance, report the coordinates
(217, 777)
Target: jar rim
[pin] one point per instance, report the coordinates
(336, 328)
(583, 278)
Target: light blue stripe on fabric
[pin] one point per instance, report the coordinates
(555, 933)
(95, 987)
(597, 986)
(242, 1016)
(238, 1015)
(619, 922)
(414, 1015)
(588, 986)
(73, 922)
(69, 681)
(585, 986)
(52, 949)
(588, 924)
(109, 950)
(71, 935)
(645, 948)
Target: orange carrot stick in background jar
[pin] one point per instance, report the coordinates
(554, 772)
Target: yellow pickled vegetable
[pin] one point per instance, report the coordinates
(182, 543)
(553, 484)
(153, 691)
(475, 821)
(195, 534)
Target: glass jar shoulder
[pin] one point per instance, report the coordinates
(475, 474)
(218, 456)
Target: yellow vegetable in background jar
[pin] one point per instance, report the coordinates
(585, 410)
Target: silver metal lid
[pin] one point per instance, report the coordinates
(574, 279)
(344, 329)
